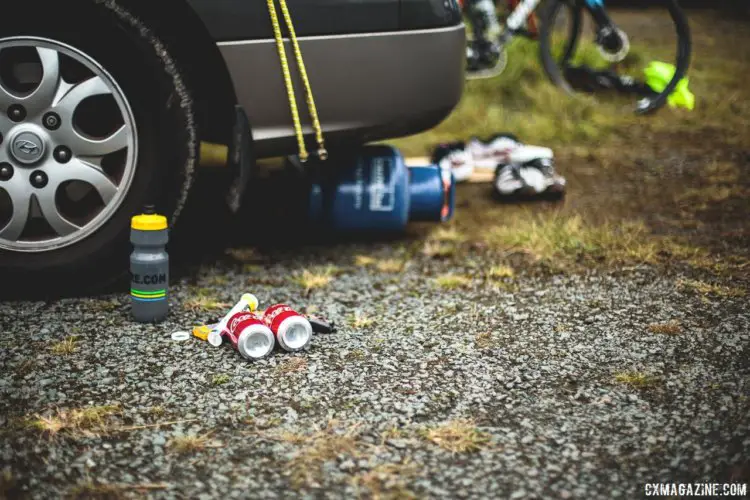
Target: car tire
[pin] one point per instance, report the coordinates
(162, 136)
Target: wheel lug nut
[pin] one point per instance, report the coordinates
(6, 171)
(16, 113)
(38, 179)
(51, 121)
(62, 154)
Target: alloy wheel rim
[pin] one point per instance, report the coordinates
(68, 145)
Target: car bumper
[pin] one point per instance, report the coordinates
(367, 87)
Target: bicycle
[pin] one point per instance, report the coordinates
(571, 60)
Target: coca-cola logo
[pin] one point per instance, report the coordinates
(236, 320)
(279, 310)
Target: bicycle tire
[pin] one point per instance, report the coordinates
(548, 17)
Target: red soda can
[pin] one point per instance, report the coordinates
(249, 335)
(293, 331)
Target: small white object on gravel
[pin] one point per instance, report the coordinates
(180, 336)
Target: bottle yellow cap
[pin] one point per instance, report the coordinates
(149, 222)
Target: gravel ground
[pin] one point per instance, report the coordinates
(566, 390)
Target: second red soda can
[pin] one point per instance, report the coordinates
(292, 330)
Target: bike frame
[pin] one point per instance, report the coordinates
(599, 14)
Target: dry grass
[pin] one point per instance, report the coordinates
(387, 482)
(458, 436)
(217, 280)
(447, 235)
(436, 249)
(220, 379)
(245, 255)
(314, 279)
(360, 320)
(356, 355)
(204, 299)
(638, 380)
(672, 327)
(364, 260)
(157, 411)
(318, 448)
(501, 272)
(292, 365)
(392, 433)
(556, 237)
(452, 281)
(704, 288)
(28, 366)
(78, 422)
(65, 347)
(390, 266)
(484, 340)
(104, 305)
(183, 445)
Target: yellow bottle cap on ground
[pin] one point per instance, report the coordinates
(150, 222)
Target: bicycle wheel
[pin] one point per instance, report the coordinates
(585, 48)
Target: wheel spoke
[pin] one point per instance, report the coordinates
(68, 99)
(13, 229)
(80, 170)
(82, 145)
(48, 206)
(43, 96)
(5, 123)
(6, 99)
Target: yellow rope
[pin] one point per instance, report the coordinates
(303, 154)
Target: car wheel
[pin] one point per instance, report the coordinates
(95, 122)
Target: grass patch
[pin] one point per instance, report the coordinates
(183, 445)
(703, 288)
(484, 340)
(672, 327)
(377, 344)
(360, 320)
(104, 305)
(204, 299)
(387, 481)
(218, 280)
(523, 101)
(157, 411)
(501, 272)
(356, 355)
(556, 236)
(78, 422)
(28, 366)
(65, 347)
(316, 449)
(245, 255)
(220, 379)
(438, 250)
(390, 266)
(292, 365)
(392, 433)
(364, 260)
(457, 436)
(452, 281)
(637, 380)
(310, 280)
(448, 235)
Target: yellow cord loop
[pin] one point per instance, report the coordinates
(303, 154)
